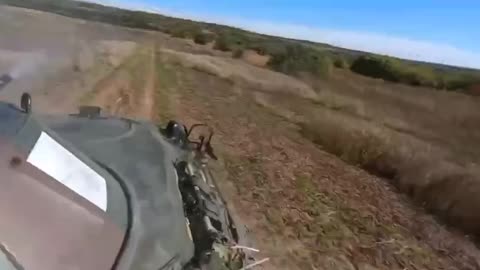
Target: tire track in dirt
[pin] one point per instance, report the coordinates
(111, 95)
(121, 94)
(147, 107)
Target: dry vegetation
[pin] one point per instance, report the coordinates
(234, 70)
(306, 208)
(331, 216)
(414, 137)
(424, 141)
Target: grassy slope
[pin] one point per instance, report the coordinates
(412, 136)
(330, 215)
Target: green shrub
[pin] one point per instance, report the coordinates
(202, 38)
(178, 34)
(374, 67)
(184, 30)
(223, 43)
(340, 63)
(394, 70)
(232, 39)
(458, 80)
(297, 59)
(263, 47)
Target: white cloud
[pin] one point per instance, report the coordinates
(363, 41)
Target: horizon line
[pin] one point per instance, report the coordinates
(376, 43)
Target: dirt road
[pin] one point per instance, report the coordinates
(57, 59)
(128, 90)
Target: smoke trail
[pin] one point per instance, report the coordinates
(28, 65)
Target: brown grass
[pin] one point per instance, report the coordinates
(307, 209)
(166, 81)
(241, 73)
(423, 141)
(447, 189)
(414, 137)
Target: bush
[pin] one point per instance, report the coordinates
(232, 40)
(374, 67)
(298, 59)
(400, 71)
(222, 43)
(340, 63)
(456, 81)
(202, 38)
(267, 47)
(394, 70)
(184, 31)
(178, 34)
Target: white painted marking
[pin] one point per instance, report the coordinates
(56, 161)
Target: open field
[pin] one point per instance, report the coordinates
(298, 156)
(331, 215)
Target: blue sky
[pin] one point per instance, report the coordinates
(437, 31)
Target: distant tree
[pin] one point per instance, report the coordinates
(395, 70)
